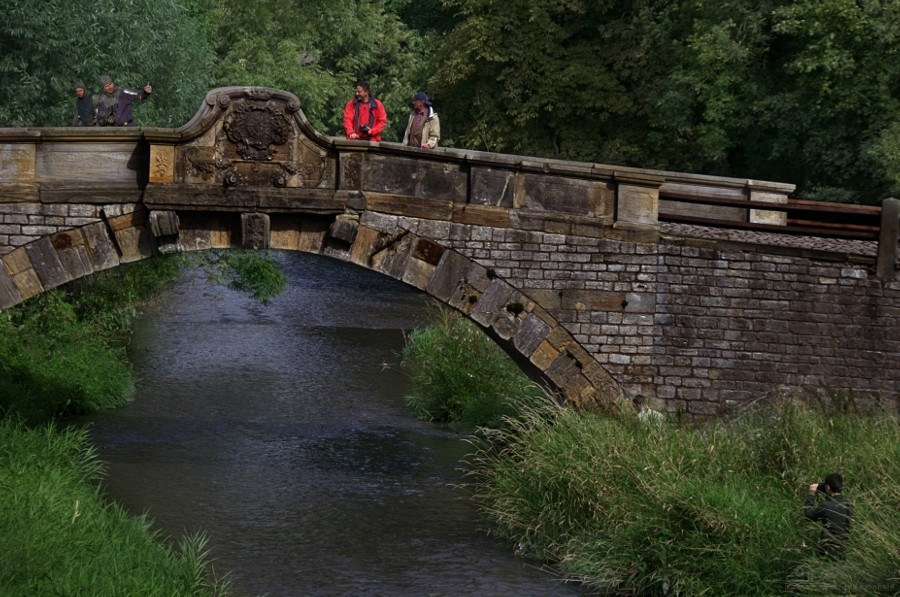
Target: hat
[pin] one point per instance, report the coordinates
(105, 79)
(422, 98)
(80, 84)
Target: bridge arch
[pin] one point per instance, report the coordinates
(565, 264)
(524, 329)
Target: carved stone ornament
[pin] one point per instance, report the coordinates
(257, 129)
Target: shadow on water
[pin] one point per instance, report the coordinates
(281, 433)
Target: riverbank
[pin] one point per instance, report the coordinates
(59, 536)
(64, 353)
(626, 505)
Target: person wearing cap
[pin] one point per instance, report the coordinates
(85, 106)
(835, 513)
(114, 104)
(424, 127)
(364, 116)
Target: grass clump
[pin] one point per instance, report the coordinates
(461, 377)
(627, 506)
(59, 537)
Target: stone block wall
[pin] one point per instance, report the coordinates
(703, 327)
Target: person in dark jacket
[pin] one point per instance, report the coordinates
(114, 104)
(835, 513)
(85, 106)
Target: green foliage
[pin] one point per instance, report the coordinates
(461, 377)
(629, 506)
(59, 537)
(319, 53)
(51, 363)
(48, 45)
(801, 92)
(253, 272)
(63, 352)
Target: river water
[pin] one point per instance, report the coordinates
(281, 433)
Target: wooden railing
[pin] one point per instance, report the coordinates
(802, 217)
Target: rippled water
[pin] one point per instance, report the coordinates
(280, 432)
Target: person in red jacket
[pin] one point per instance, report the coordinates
(364, 115)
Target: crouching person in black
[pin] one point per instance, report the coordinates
(835, 513)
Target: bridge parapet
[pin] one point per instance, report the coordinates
(562, 262)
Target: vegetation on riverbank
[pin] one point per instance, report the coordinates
(58, 535)
(460, 377)
(656, 507)
(64, 352)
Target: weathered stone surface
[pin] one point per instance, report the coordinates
(73, 253)
(255, 231)
(418, 273)
(9, 294)
(17, 162)
(350, 168)
(479, 215)
(101, 249)
(313, 232)
(492, 187)
(344, 228)
(109, 161)
(530, 334)
(568, 195)
(492, 303)
(637, 204)
(451, 269)
(428, 251)
(162, 163)
(19, 193)
(762, 216)
(434, 180)
(164, 223)
(413, 207)
(592, 300)
(506, 325)
(46, 263)
(544, 355)
(392, 259)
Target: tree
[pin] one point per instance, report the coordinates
(318, 53)
(796, 91)
(50, 44)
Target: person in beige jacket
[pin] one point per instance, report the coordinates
(424, 127)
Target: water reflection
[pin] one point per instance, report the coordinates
(281, 433)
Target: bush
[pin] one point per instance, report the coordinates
(462, 378)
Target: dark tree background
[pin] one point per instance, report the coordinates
(805, 91)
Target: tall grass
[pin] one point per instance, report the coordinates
(627, 506)
(59, 537)
(635, 506)
(461, 377)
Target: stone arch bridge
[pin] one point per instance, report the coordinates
(569, 266)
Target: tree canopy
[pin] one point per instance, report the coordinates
(48, 45)
(801, 91)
